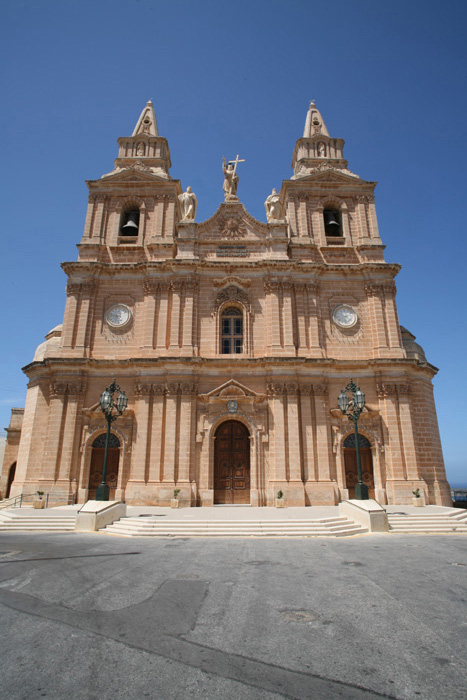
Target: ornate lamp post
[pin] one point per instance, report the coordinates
(111, 410)
(352, 408)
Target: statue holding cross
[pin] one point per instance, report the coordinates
(230, 177)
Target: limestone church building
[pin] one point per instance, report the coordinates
(232, 339)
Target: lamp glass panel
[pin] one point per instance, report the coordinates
(121, 402)
(105, 400)
(343, 401)
(359, 398)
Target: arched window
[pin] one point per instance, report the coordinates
(100, 440)
(362, 441)
(129, 225)
(231, 331)
(332, 222)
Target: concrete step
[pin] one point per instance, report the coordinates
(325, 527)
(28, 522)
(453, 521)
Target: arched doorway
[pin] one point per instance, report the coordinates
(350, 464)
(97, 465)
(11, 478)
(232, 463)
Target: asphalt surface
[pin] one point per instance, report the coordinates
(94, 617)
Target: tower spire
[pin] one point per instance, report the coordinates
(317, 150)
(147, 123)
(314, 123)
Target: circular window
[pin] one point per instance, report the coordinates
(118, 315)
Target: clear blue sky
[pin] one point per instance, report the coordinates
(228, 78)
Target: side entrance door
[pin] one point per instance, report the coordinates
(232, 464)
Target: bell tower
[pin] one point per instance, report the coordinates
(131, 210)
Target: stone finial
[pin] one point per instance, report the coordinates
(314, 123)
(147, 123)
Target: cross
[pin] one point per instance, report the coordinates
(236, 161)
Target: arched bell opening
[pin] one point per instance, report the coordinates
(232, 463)
(350, 464)
(97, 465)
(129, 224)
(11, 478)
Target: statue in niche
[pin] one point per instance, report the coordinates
(273, 207)
(188, 204)
(140, 150)
(321, 150)
(230, 177)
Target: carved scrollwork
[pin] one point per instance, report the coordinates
(72, 289)
(150, 286)
(232, 227)
(57, 389)
(390, 289)
(143, 390)
(187, 389)
(320, 389)
(313, 287)
(275, 389)
(403, 389)
(234, 294)
(373, 290)
(384, 390)
(158, 389)
(172, 389)
(241, 281)
(291, 388)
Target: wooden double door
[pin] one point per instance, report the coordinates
(351, 472)
(232, 464)
(97, 467)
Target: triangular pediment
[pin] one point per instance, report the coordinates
(333, 175)
(134, 175)
(232, 389)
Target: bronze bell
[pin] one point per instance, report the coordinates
(331, 224)
(131, 226)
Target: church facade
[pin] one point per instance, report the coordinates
(232, 339)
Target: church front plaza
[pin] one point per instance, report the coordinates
(232, 339)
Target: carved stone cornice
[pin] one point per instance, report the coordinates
(158, 389)
(305, 390)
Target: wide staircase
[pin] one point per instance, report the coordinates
(453, 521)
(148, 526)
(29, 519)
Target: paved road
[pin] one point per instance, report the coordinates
(90, 617)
